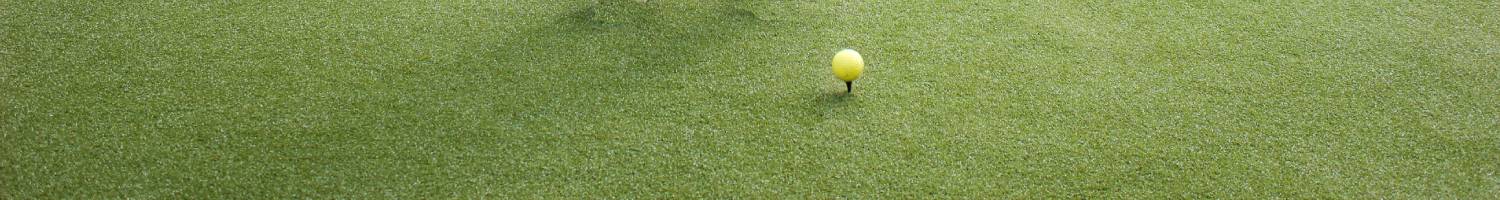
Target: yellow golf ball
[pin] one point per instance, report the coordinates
(847, 65)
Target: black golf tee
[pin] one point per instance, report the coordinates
(848, 86)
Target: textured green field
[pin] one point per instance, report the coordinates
(715, 98)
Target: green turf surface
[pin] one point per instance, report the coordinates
(520, 98)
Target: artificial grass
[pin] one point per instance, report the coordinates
(712, 99)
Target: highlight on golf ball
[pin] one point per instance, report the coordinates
(847, 66)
